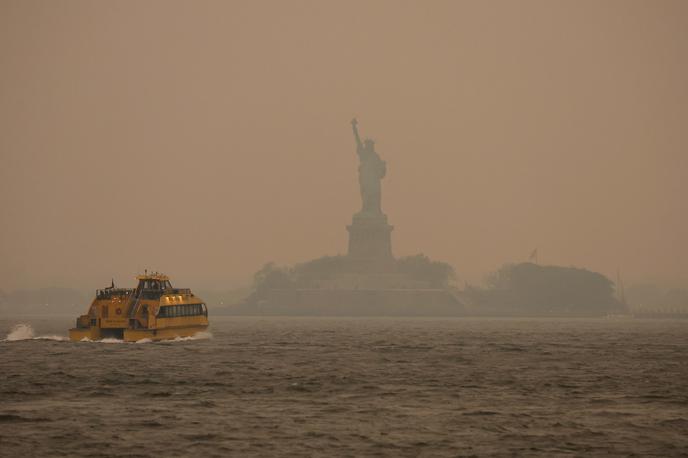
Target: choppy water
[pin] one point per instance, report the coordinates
(350, 387)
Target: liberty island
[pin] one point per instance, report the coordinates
(368, 279)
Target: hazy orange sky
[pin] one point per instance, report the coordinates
(204, 139)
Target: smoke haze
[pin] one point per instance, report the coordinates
(204, 139)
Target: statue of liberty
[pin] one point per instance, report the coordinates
(371, 171)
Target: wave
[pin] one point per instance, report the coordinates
(105, 340)
(110, 340)
(203, 335)
(198, 336)
(23, 331)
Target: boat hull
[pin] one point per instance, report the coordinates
(79, 334)
(134, 335)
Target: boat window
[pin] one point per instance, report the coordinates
(172, 311)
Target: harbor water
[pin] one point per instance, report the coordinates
(277, 386)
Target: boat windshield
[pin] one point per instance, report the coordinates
(151, 288)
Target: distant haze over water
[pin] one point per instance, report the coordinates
(206, 139)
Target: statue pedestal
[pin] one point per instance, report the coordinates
(370, 242)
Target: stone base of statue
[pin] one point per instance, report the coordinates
(366, 282)
(370, 242)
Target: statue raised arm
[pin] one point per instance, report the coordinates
(354, 124)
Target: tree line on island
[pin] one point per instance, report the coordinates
(533, 289)
(514, 289)
(435, 274)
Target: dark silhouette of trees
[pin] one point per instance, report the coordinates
(419, 267)
(271, 276)
(321, 268)
(529, 288)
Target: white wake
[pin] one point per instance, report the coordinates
(24, 331)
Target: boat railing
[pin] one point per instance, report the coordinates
(107, 293)
(178, 291)
(157, 293)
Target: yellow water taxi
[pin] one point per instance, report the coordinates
(153, 310)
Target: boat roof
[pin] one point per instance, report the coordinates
(153, 276)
